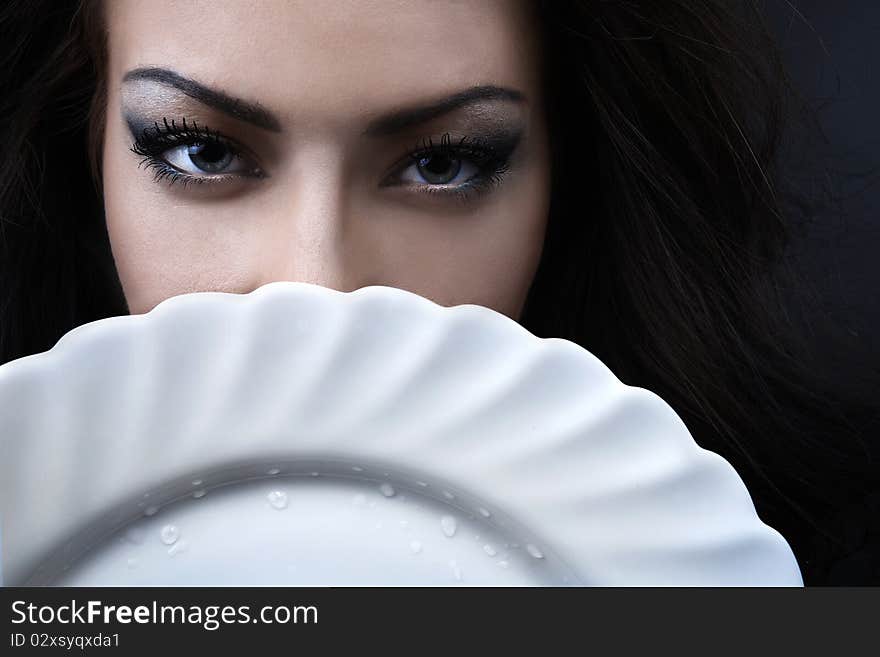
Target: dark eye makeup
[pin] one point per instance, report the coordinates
(194, 142)
(185, 152)
(488, 158)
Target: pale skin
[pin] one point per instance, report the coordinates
(322, 190)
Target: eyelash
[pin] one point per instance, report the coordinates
(492, 160)
(152, 145)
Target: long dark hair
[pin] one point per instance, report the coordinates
(664, 253)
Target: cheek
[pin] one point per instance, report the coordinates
(487, 258)
(161, 250)
(159, 256)
(497, 268)
(493, 262)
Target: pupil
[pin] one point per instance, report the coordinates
(209, 157)
(439, 168)
(439, 164)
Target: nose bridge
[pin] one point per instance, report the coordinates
(307, 242)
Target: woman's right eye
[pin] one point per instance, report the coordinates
(190, 153)
(207, 158)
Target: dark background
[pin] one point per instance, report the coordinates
(832, 51)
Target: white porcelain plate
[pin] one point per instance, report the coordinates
(298, 435)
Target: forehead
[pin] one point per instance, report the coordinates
(295, 56)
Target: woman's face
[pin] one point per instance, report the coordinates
(386, 142)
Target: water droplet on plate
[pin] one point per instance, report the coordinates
(484, 512)
(415, 546)
(197, 482)
(534, 551)
(503, 564)
(448, 495)
(387, 489)
(169, 534)
(448, 525)
(314, 474)
(422, 484)
(488, 549)
(277, 499)
(357, 468)
(178, 547)
(151, 510)
(273, 471)
(199, 493)
(456, 571)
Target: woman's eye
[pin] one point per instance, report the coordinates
(440, 169)
(206, 158)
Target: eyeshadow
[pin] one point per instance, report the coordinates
(502, 141)
(137, 124)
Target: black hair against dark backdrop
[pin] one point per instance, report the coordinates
(832, 52)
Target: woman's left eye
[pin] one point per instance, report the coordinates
(440, 169)
(458, 168)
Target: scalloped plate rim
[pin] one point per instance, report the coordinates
(775, 545)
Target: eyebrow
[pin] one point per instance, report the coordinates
(402, 119)
(257, 115)
(238, 108)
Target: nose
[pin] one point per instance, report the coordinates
(309, 227)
